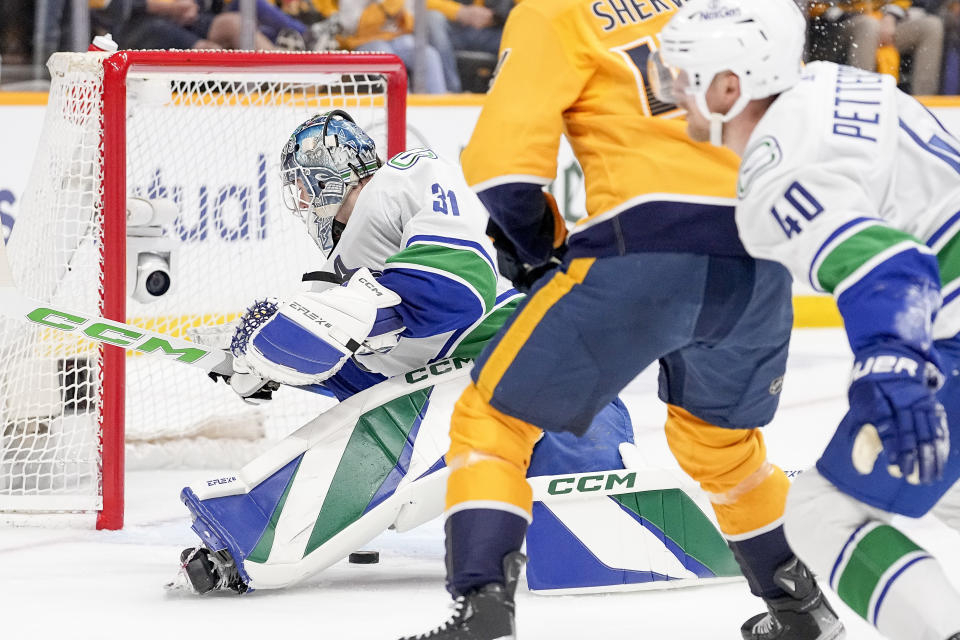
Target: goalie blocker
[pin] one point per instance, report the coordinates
(308, 339)
(375, 461)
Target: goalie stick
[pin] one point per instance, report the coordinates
(15, 305)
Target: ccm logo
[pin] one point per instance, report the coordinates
(216, 481)
(586, 484)
(369, 285)
(884, 364)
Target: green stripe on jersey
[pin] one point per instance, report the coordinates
(949, 260)
(874, 554)
(855, 251)
(371, 455)
(474, 342)
(469, 266)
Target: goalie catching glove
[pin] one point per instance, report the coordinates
(309, 338)
(893, 397)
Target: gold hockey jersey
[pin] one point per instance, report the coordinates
(578, 68)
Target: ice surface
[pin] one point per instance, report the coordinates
(69, 584)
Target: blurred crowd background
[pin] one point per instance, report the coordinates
(450, 46)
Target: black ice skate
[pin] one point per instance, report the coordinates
(211, 570)
(803, 614)
(486, 613)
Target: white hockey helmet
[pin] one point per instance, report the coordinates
(761, 41)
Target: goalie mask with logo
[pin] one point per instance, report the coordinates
(324, 159)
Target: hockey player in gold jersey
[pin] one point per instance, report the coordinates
(656, 272)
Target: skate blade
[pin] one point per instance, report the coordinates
(836, 633)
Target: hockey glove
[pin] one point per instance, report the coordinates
(893, 395)
(251, 388)
(547, 242)
(310, 337)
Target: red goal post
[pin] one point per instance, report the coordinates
(200, 129)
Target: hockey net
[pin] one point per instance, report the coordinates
(203, 131)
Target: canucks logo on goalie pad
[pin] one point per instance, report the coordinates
(376, 461)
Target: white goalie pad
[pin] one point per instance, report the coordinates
(375, 461)
(353, 479)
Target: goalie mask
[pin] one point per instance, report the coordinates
(761, 41)
(323, 160)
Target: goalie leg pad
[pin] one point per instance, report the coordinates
(624, 541)
(214, 535)
(240, 522)
(561, 452)
(604, 543)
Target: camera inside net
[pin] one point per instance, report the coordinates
(151, 256)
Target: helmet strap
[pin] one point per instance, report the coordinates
(326, 123)
(717, 120)
(716, 129)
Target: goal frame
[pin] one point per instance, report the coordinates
(114, 195)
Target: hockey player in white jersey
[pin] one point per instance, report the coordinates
(409, 293)
(855, 187)
(418, 232)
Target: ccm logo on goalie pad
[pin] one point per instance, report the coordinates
(436, 369)
(611, 482)
(885, 364)
(372, 286)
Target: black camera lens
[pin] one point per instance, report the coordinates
(157, 283)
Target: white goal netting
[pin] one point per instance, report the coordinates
(208, 140)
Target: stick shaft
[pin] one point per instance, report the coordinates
(15, 305)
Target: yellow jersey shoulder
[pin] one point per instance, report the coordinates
(606, 17)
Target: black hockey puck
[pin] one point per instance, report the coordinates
(364, 557)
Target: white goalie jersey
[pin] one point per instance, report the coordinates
(845, 172)
(418, 224)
